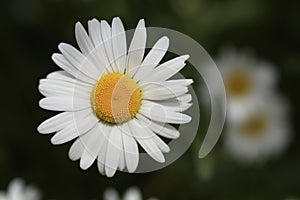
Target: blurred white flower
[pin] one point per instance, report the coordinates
(132, 193)
(263, 134)
(114, 99)
(247, 81)
(17, 190)
(291, 198)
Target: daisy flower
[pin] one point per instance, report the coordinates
(263, 134)
(113, 98)
(18, 191)
(291, 198)
(246, 81)
(132, 193)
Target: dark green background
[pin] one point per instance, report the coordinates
(30, 33)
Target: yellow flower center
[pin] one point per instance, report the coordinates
(238, 84)
(255, 125)
(116, 98)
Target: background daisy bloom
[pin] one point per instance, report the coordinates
(132, 193)
(18, 191)
(263, 134)
(246, 81)
(114, 99)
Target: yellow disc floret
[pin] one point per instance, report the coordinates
(116, 98)
(238, 84)
(255, 125)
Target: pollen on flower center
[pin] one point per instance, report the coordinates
(238, 84)
(116, 98)
(254, 125)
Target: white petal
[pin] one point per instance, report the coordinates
(165, 106)
(64, 76)
(175, 105)
(50, 87)
(63, 63)
(102, 153)
(16, 187)
(92, 141)
(119, 44)
(79, 61)
(167, 69)
(137, 48)
(178, 82)
(111, 194)
(77, 128)
(101, 158)
(60, 75)
(152, 198)
(178, 104)
(153, 58)
(133, 193)
(130, 148)
(64, 103)
(106, 36)
(160, 113)
(145, 139)
(99, 57)
(69, 81)
(159, 142)
(95, 32)
(161, 92)
(87, 48)
(86, 159)
(56, 123)
(122, 163)
(84, 42)
(94, 27)
(65, 135)
(163, 129)
(185, 98)
(76, 150)
(32, 193)
(114, 147)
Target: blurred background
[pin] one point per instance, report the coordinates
(30, 33)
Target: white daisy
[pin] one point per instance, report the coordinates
(132, 193)
(246, 81)
(18, 191)
(114, 99)
(291, 198)
(263, 134)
